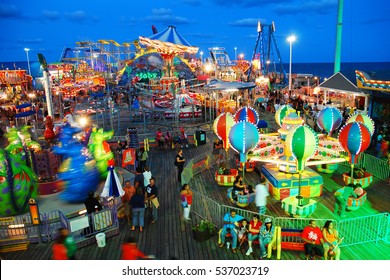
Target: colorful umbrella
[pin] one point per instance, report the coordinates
(329, 119)
(302, 142)
(243, 137)
(112, 186)
(281, 113)
(364, 119)
(354, 138)
(222, 126)
(247, 114)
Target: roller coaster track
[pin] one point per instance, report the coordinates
(363, 80)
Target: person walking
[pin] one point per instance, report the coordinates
(143, 156)
(186, 200)
(137, 203)
(130, 250)
(151, 197)
(261, 198)
(147, 175)
(180, 160)
(129, 192)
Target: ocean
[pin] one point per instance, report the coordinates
(377, 70)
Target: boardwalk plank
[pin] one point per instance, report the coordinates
(170, 238)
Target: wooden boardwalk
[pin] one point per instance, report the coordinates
(170, 238)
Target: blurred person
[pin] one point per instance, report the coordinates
(129, 192)
(186, 199)
(261, 198)
(130, 250)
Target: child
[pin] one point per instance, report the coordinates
(242, 232)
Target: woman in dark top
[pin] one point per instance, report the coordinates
(238, 187)
(137, 202)
(180, 164)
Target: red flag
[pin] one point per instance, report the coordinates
(128, 157)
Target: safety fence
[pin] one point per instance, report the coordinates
(373, 228)
(377, 167)
(19, 229)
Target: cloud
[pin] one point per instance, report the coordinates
(77, 16)
(164, 15)
(304, 7)
(191, 2)
(30, 41)
(199, 35)
(51, 15)
(248, 3)
(247, 22)
(375, 20)
(9, 11)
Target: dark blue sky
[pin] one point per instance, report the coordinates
(48, 26)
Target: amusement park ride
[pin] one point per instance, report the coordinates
(288, 154)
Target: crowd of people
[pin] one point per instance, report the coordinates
(243, 232)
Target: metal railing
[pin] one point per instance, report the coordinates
(373, 228)
(377, 167)
(19, 229)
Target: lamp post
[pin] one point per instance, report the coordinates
(201, 59)
(28, 60)
(290, 39)
(235, 53)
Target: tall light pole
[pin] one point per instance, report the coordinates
(235, 53)
(28, 60)
(290, 39)
(201, 59)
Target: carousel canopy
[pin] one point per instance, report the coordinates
(168, 40)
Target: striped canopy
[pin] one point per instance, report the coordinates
(168, 40)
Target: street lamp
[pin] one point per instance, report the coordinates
(235, 53)
(290, 39)
(201, 59)
(28, 60)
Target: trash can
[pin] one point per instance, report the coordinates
(101, 240)
(200, 136)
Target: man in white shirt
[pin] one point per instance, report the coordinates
(147, 175)
(261, 198)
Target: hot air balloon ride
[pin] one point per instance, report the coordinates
(355, 138)
(302, 142)
(222, 125)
